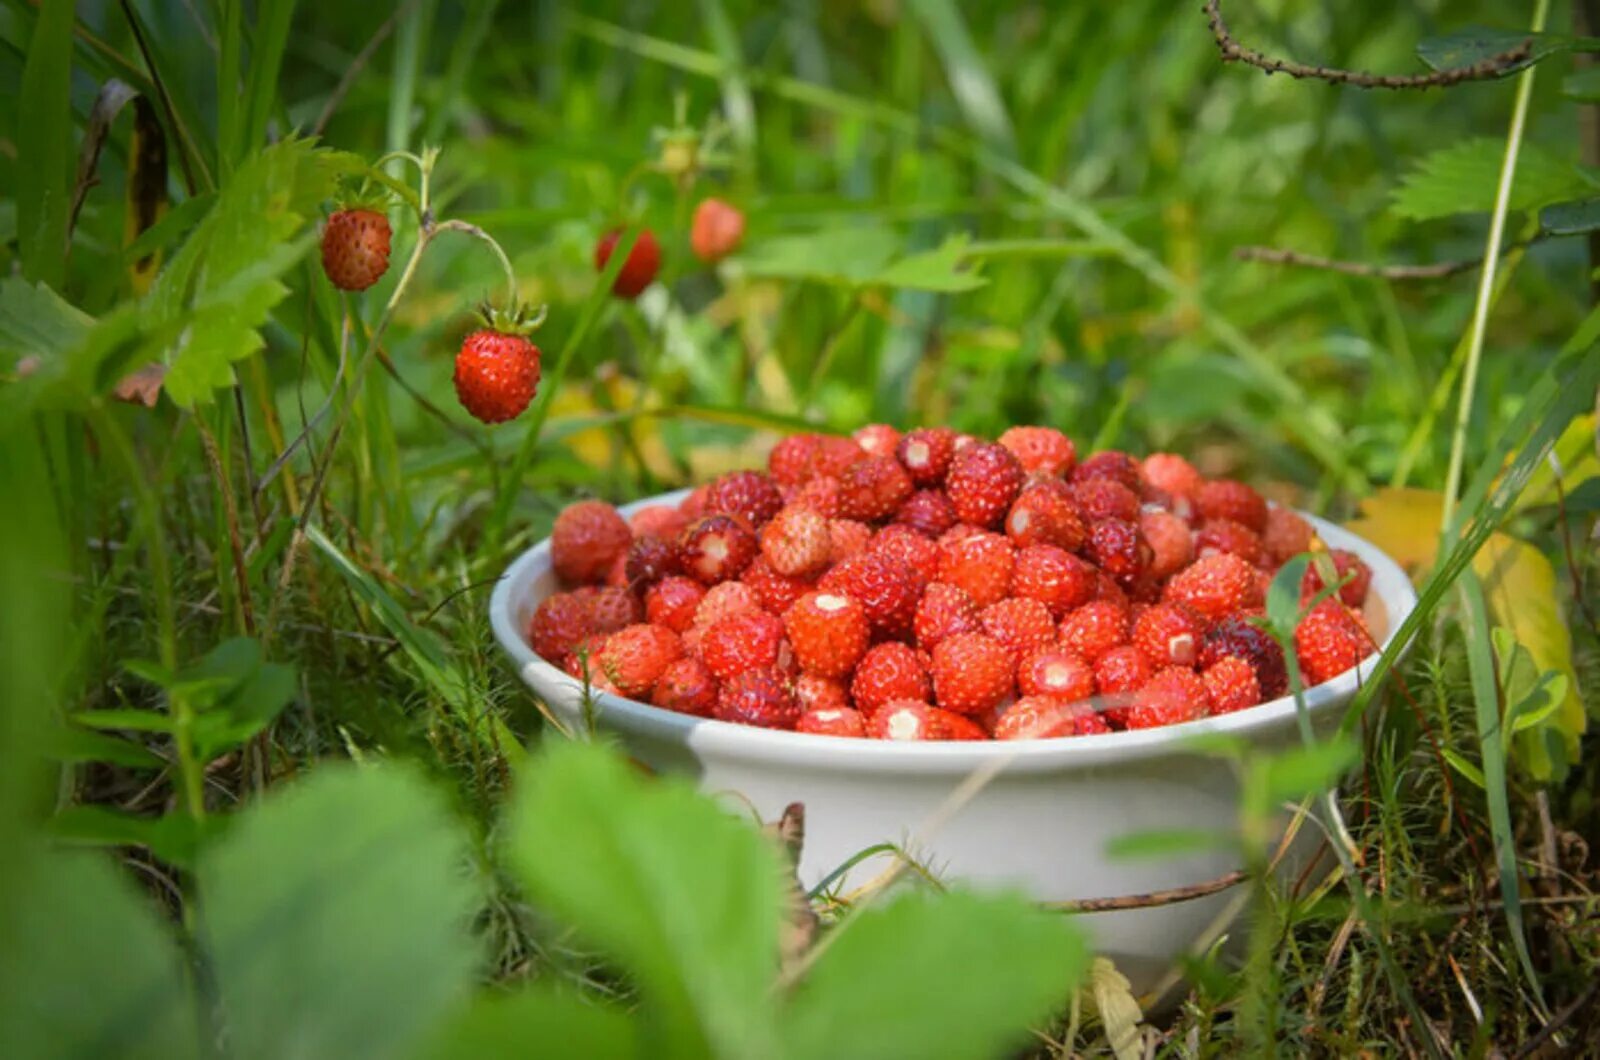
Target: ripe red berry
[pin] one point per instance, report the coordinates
(789, 463)
(750, 495)
(847, 538)
(980, 563)
(822, 494)
(634, 657)
(972, 672)
(727, 598)
(586, 540)
(559, 622)
(834, 454)
(1229, 499)
(1055, 672)
(912, 719)
(1044, 513)
(1021, 626)
(909, 547)
(1168, 635)
(1109, 464)
(888, 671)
(1345, 565)
(832, 721)
(797, 543)
(1286, 535)
(355, 248)
(1122, 670)
(1216, 586)
(647, 561)
(877, 439)
(873, 488)
(747, 640)
(1172, 696)
(1048, 717)
(1171, 474)
(829, 633)
(1234, 637)
(777, 592)
(1225, 535)
(758, 697)
(1095, 628)
(496, 374)
(1330, 640)
(1054, 577)
(644, 261)
(687, 687)
(716, 230)
(610, 608)
(693, 506)
(671, 602)
(1232, 685)
(885, 587)
(816, 692)
(1041, 450)
(1104, 498)
(926, 453)
(657, 520)
(1171, 542)
(983, 481)
(944, 610)
(1118, 548)
(716, 548)
(928, 512)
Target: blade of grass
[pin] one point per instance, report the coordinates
(737, 106)
(408, 58)
(463, 56)
(230, 69)
(44, 150)
(273, 18)
(970, 80)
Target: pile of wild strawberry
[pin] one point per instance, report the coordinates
(934, 586)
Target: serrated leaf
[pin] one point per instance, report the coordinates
(847, 257)
(1463, 177)
(337, 915)
(1571, 218)
(869, 993)
(1472, 45)
(934, 270)
(682, 894)
(530, 1023)
(1118, 1009)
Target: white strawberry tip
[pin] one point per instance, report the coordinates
(904, 725)
(1056, 675)
(1019, 521)
(1180, 649)
(831, 604)
(917, 455)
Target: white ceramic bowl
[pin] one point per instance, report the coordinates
(1042, 820)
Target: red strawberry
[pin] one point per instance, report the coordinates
(823, 494)
(833, 455)
(1235, 637)
(355, 248)
(1171, 542)
(634, 657)
(1169, 635)
(657, 520)
(716, 548)
(1021, 626)
(610, 608)
(757, 697)
(1054, 577)
(829, 633)
(586, 540)
(832, 721)
(1228, 499)
(747, 640)
(886, 672)
(1104, 498)
(912, 719)
(971, 673)
(644, 261)
(789, 463)
(847, 538)
(726, 598)
(1118, 548)
(693, 506)
(777, 592)
(1122, 670)
(910, 548)
(1232, 685)
(559, 622)
(983, 481)
(873, 488)
(1055, 672)
(1095, 628)
(1171, 474)
(1216, 586)
(797, 543)
(750, 495)
(1330, 640)
(1048, 717)
(1109, 464)
(928, 512)
(1286, 535)
(1172, 696)
(1225, 535)
(877, 439)
(1041, 450)
(884, 586)
(926, 453)
(687, 687)
(980, 563)
(820, 693)
(1345, 565)
(716, 230)
(647, 561)
(496, 374)
(672, 601)
(942, 611)
(1044, 513)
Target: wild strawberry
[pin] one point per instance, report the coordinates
(1232, 685)
(1044, 513)
(1118, 548)
(586, 540)
(829, 633)
(1216, 586)
(925, 453)
(610, 608)
(1104, 498)
(928, 512)
(1286, 535)
(748, 640)
(1095, 628)
(877, 439)
(757, 697)
(1224, 498)
(647, 561)
(1022, 626)
(687, 687)
(834, 455)
(1041, 450)
(1170, 539)
(909, 547)
(884, 586)
(1345, 565)
(1225, 535)
(617, 575)
(847, 538)
(716, 548)
(823, 494)
(496, 374)
(671, 602)
(832, 721)
(726, 598)
(789, 462)
(657, 520)
(1169, 635)
(1054, 577)
(913, 719)
(888, 671)
(750, 495)
(971, 673)
(796, 542)
(1109, 464)
(1055, 672)
(635, 657)
(355, 248)
(820, 693)
(693, 506)
(1330, 640)
(716, 230)
(1173, 695)
(944, 610)
(1122, 670)
(983, 481)
(775, 591)
(873, 488)
(1234, 637)
(980, 563)
(639, 271)
(1048, 717)
(559, 622)
(1171, 474)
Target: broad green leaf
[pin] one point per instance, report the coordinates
(847, 257)
(37, 322)
(67, 743)
(534, 1022)
(1530, 697)
(43, 139)
(951, 974)
(336, 915)
(88, 968)
(1571, 218)
(934, 270)
(1119, 1010)
(1169, 842)
(1296, 772)
(1283, 595)
(172, 837)
(1462, 178)
(235, 693)
(1472, 45)
(685, 896)
(129, 720)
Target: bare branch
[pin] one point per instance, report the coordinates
(1496, 65)
(1437, 271)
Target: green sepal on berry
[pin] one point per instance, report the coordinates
(515, 319)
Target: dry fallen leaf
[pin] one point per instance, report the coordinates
(142, 386)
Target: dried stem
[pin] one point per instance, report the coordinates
(1436, 271)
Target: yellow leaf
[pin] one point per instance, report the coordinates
(1519, 583)
(1577, 453)
(1119, 1011)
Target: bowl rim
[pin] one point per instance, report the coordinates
(711, 737)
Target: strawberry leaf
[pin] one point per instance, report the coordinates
(1462, 178)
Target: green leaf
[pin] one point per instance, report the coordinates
(130, 720)
(1467, 769)
(883, 985)
(1531, 696)
(1462, 178)
(1472, 45)
(37, 322)
(43, 140)
(934, 270)
(531, 1022)
(966, 68)
(1169, 842)
(684, 895)
(88, 968)
(175, 837)
(1583, 85)
(1283, 595)
(1571, 218)
(66, 743)
(337, 916)
(1296, 772)
(235, 693)
(846, 257)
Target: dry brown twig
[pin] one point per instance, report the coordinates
(1497, 65)
(1436, 271)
